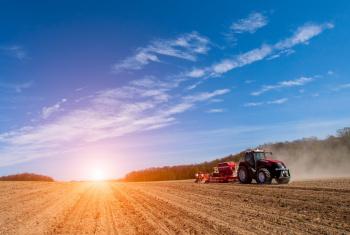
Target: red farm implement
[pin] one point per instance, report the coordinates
(224, 173)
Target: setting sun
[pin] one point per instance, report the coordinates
(98, 175)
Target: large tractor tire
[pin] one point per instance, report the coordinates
(263, 176)
(283, 181)
(243, 175)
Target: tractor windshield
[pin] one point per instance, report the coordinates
(259, 156)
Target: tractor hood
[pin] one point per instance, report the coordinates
(270, 160)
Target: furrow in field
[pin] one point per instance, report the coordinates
(277, 214)
(171, 219)
(81, 218)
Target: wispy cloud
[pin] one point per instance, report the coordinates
(186, 46)
(216, 110)
(341, 87)
(196, 73)
(153, 82)
(253, 104)
(14, 51)
(205, 95)
(15, 87)
(250, 24)
(280, 101)
(297, 82)
(242, 60)
(330, 72)
(143, 105)
(47, 112)
(81, 88)
(302, 35)
(286, 52)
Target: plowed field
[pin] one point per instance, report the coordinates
(316, 207)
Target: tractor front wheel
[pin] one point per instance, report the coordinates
(243, 175)
(263, 176)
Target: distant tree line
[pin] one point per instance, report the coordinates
(178, 172)
(307, 151)
(26, 177)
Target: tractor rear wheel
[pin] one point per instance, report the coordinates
(263, 176)
(243, 175)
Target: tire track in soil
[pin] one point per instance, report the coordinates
(203, 218)
(174, 208)
(319, 209)
(170, 219)
(222, 222)
(81, 218)
(135, 221)
(272, 216)
(33, 212)
(107, 223)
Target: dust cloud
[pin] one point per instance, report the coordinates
(307, 163)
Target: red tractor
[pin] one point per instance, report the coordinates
(257, 166)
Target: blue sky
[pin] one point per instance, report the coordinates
(121, 86)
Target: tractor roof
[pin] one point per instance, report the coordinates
(255, 151)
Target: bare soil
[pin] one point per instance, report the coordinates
(177, 207)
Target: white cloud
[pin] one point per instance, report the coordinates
(249, 81)
(330, 72)
(153, 82)
(242, 60)
(81, 88)
(302, 35)
(297, 82)
(14, 51)
(16, 87)
(193, 86)
(281, 101)
(341, 87)
(287, 52)
(216, 110)
(250, 24)
(47, 112)
(253, 104)
(216, 100)
(205, 95)
(185, 46)
(196, 73)
(274, 56)
(224, 66)
(143, 105)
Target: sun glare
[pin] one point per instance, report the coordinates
(98, 175)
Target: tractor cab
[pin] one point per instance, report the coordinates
(253, 157)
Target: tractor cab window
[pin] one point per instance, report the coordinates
(259, 156)
(250, 159)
